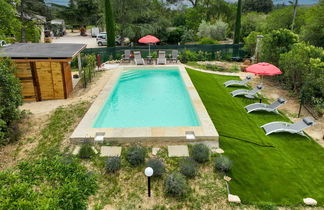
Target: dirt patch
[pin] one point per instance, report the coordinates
(273, 91)
(14, 152)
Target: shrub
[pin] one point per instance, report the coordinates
(207, 41)
(188, 36)
(157, 165)
(223, 164)
(250, 43)
(10, 100)
(136, 155)
(60, 182)
(113, 164)
(176, 185)
(175, 35)
(188, 55)
(200, 153)
(234, 68)
(276, 43)
(296, 64)
(188, 167)
(215, 31)
(86, 151)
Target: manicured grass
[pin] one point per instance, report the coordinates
(279, 169)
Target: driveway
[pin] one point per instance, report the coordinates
(76, 38)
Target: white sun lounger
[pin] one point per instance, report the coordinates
(238, 82)
(174, 57)
(265, 107)
(161, 59)
(126, 55)
(247, 93)
(297, 127)
(138, 58)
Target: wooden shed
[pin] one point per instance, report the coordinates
(44, 69)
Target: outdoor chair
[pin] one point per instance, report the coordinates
(238, 82)
(297, 127)
(138, 58)
(161, 59)
(247, 93)
(265, 107)
(175, 55)
(126, 55)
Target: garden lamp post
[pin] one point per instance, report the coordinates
(148, 172)
(258, 47)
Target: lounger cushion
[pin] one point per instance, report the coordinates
(308, 121)
(281, 100)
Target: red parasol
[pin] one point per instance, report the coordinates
(148, 40)
(263, 69)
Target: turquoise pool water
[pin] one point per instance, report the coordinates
(148, 98)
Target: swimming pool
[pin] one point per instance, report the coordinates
(148, 98)
(153, 104)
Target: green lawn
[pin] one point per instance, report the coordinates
(279, 169)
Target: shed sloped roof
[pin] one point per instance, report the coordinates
(41, 50)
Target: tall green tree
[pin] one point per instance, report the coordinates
(238, 22)
(313, 29)
(110, 24)
(257, 6)
(8, 21)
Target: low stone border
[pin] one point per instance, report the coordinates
(212, 72)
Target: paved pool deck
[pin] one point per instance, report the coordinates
(206, 131)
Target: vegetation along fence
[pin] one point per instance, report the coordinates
(224, 51)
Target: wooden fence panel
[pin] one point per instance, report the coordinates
(57, 76)
(44, 73)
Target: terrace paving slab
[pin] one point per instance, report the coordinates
(233, 198)
(178, 151)
(110, 151)
(219, 151)
(76, 150)
(310, 201)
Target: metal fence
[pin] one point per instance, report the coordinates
(226, 51)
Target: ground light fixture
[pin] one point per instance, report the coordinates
(148, 172)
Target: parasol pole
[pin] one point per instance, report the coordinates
(149, 49)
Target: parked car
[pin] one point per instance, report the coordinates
(102, 39)
(3, 43)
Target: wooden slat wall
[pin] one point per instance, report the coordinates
(26, 79)
(57, 77)
(68, 78)
(44, 73)
(44, 80)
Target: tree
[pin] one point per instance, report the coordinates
(252, 21)
(11, 99)
(257, 6)
(238, 22)
(137, 18)
(313, 29)
(215, 31)
(87, 12)
(282, 18)
(8, 21)
(110, 24)
(275, 43)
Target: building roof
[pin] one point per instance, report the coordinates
(41, 50)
